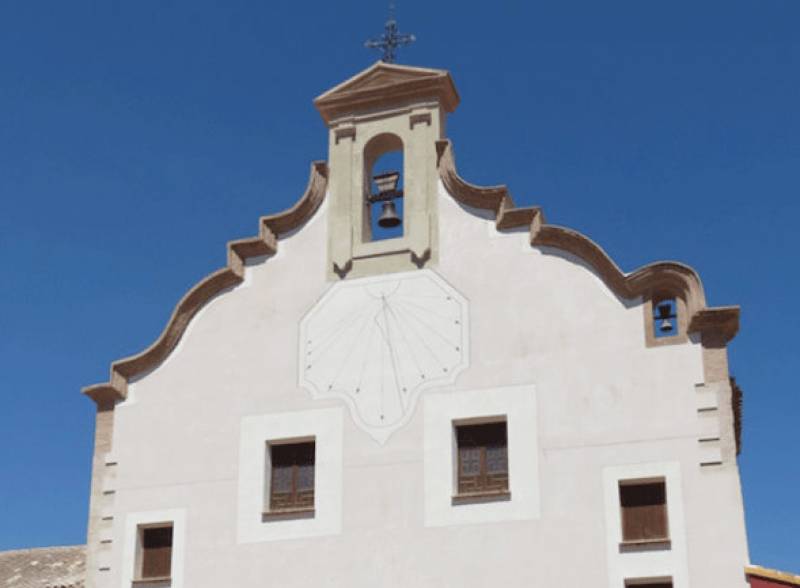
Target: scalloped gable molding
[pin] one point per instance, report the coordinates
(719, 324)
(266, 243)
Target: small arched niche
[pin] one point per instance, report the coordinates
(383, 156)
(666, 320)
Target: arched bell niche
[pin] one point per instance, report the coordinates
(666, 317)
(383, 188)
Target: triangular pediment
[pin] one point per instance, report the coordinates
(383, 77)
(380, 75)
(383, 84)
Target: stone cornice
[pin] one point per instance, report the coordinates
(383, 85)
(494, 198)
(266, 243)
(662, 277)
(721, 322)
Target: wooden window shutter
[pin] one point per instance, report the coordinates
(644, 511)
(292, 476)
(482, 458)
(156, 552)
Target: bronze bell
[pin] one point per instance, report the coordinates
(388, 218)
(664, 317)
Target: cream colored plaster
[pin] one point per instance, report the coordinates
(603, 399)
(349, 242)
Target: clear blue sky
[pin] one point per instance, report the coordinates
(136, 138)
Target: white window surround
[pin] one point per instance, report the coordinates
(135, 520)
(325, 426)
(657, 563)
(517, 406)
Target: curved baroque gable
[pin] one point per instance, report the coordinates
(719, 323)
(271, 228)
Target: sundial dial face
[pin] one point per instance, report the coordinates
(378, 342)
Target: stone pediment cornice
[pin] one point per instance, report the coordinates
(384, 85)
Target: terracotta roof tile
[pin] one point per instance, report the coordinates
(44, 567)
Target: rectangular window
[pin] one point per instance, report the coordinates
(292, 476)
(648, 583)
(644, 511)
(482, 458)
(155, 552)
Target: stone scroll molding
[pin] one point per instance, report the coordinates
(494, 198)
(271, 228)
(719, 323)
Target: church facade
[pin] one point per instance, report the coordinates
(406, 380)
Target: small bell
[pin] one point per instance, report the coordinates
(664, 318)
(388, 218)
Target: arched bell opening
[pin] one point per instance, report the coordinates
(383, 188)
(666, 317)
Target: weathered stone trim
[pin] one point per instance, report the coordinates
(101, 497)
(721, 322)
(415, 119)
(494, 198)
(681, 334)
(266, 243)
(675, 278)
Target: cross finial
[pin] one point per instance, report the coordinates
(391, 39)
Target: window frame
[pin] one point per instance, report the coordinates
(661, 582)
(664, 540)
(139, 577)
(297, 504)
(484, 492)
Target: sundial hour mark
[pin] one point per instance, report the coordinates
(383, 348)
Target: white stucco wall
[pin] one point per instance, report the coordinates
(541, 321)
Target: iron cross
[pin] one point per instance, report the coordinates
(391, 39)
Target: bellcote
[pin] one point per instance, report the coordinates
(385, 109)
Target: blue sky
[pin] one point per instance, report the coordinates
(136, 138)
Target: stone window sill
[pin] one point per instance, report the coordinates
(481, 497)
(287, 514)
(155, 582)
(645, 545)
